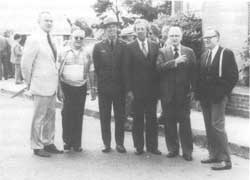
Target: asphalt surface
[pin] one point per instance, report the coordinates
(18, 163)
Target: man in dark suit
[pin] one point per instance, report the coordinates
(218, 74)
(142, 87)
(109, 58)
(176, 65)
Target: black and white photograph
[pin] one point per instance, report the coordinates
(124, 89)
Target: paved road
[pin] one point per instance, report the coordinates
(18, 163)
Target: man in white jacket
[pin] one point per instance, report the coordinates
(39, 70)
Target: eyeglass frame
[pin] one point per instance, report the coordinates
(78, 38)
(208, 38)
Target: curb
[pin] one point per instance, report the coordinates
(199, 136)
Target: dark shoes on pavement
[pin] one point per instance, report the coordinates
(120, 149)
(52, 149)
(187, 157)
(223, 165)
(41, 153)
(209, 161)
(77, 149)
(139, 151)
(172, 154)
(155, 151)
(107, 149)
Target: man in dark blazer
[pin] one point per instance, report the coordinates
(177, 65)
(142, 87)
(108, 57)
(218, 74)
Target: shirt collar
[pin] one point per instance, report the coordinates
(215, 49)
(178, 47)
(145, 41)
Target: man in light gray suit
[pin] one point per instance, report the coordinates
(41, 76)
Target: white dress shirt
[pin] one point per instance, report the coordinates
(145, 42)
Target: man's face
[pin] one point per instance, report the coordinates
(141, 31)
(46, 22)
(210, 39)
(111, 31)
(77, 38)
(175, 36)
(164, 34)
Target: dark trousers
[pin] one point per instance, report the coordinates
(214, 117)
(5, 69)
(145, 107)
(105, 105)
(178, 113)
(72, 113)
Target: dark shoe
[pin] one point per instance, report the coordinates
(187, 157)
(223, 165)
(41, 153)
(172, 154)
(156, 152)
(107, 149)
(52, 149)
(67, 147)
(209, 161)
(139, 151)
(120, 149)
(78, 149)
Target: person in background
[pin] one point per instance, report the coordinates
(16, 54)
(218, 74)
(4, 50)
(109, 58)
(142, 86)
(127, 34)
(73, 75)
(154, 33)
(40, 74)
(9, 67)
(177, 67)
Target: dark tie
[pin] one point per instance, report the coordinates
(176, 54)
(51, 46)
(209, 59)
(144, 50)
(112, 44)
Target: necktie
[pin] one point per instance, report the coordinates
(112, 44)
(144, 50)
(209, 59)
(176, 54)
(51, 46)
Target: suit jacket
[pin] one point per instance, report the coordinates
(109, 66)
(38, 65)
(212, 87)
(5, 49)
(176, 81)
(142, 77)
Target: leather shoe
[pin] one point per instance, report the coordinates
(172, 154)
(209, 161)
(223, 165)
(67, 147)
(41, 153)
(156, 152)
(187, 157)
(52, 149)
(78, 149)
(107, 149)
(120, 149)
(139, 151)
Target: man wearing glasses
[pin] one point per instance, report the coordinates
(73, 75)
(218, 74)
(109, 57)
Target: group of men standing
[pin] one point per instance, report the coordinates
(141, 73)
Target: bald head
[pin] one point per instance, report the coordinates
(175, 35)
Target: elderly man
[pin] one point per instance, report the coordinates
(73, 74)
(109, 57)
(142, 87)
(218, 74)
(41, 76)
(176, 65)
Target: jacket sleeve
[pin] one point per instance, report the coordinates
(128, 69)
(193, 72)
(96, 57)
(30, 52)
(162, 64)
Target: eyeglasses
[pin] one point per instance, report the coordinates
(78, 38)
(209, 37)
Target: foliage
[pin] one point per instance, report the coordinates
(192, 30)
(244, 69)
(101, 6)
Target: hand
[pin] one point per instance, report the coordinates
(130, 96)
(60, 95)
(93, 94)
(181, 59)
